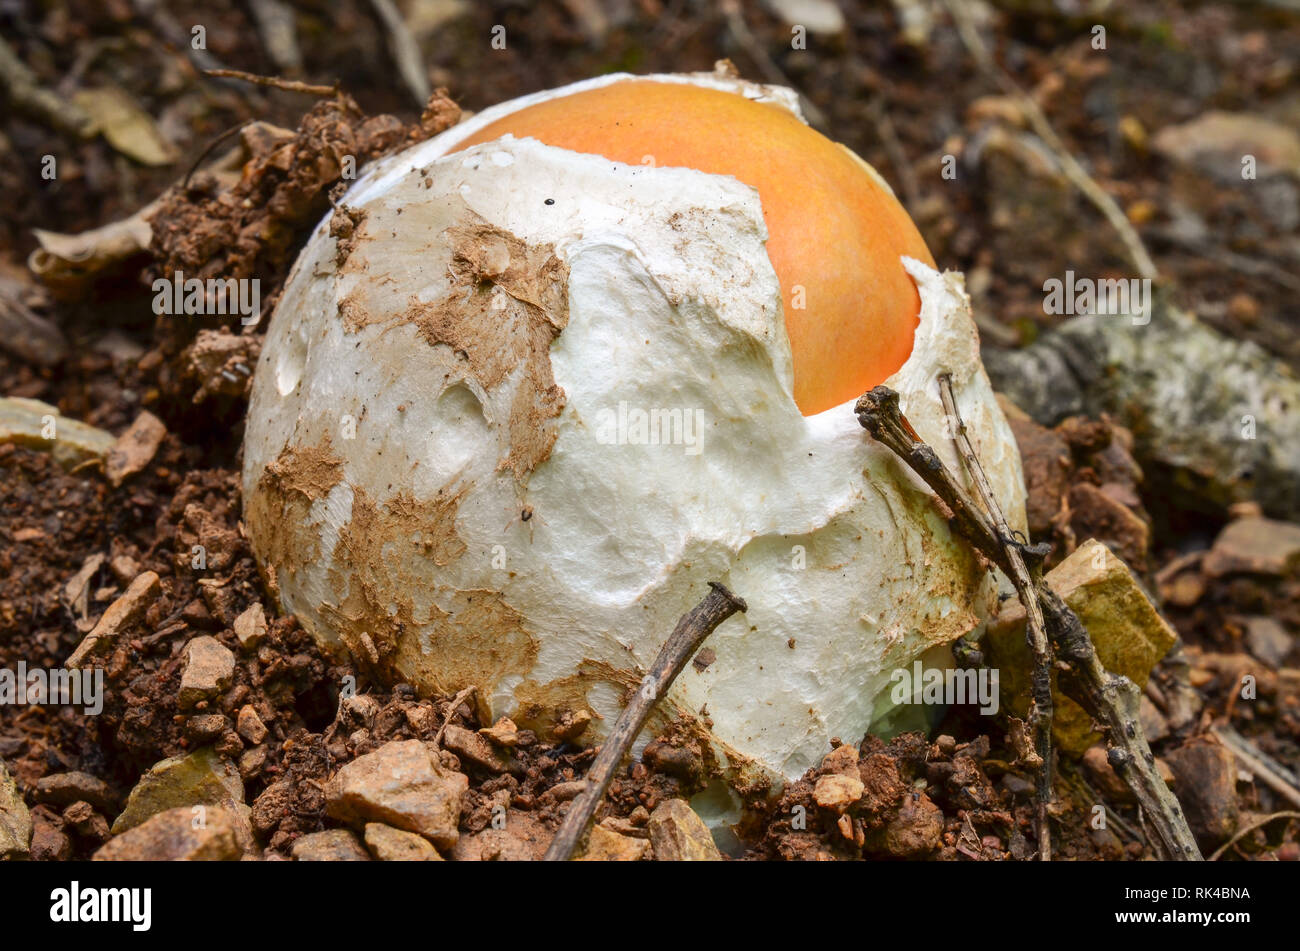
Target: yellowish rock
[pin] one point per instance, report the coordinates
(1129, 634)
(679, 835)
(502, 733)
(15, 820)
(203, 778)
(177, 835)
(837, 792)
(605, 845)
(393, 845)
(331, 845)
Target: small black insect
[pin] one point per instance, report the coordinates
(526, 516)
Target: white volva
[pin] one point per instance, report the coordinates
(418, 491)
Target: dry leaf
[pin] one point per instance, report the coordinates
(126, 126)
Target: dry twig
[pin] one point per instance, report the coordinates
(212, 147)
(1258, 824)
(1274, 775)
(691, 631)
(1040, 710)
(275, 82)
(1112, 700)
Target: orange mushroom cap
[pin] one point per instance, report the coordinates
(835, 232)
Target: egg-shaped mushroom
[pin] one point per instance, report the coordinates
(527, 391)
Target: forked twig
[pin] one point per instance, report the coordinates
(1041, 707)
(691, 631)
(1111, 699)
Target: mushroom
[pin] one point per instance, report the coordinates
(835, 231)
(541, 378)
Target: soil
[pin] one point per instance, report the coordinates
(962, 794)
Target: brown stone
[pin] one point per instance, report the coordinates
(330, 845)
(209, 667)
(571, 725)
(82, 817)
(627, 826)
(1267, 640)
(177, 835)
(1095, 513)
(1102, 776)
(249, 725)
(843, 760)
(523, 839)
(250, 627)
(205, 728)
(882, 786)
(268, 808)
(837, 793)
(1045, 457)
(251, 762)
(913, 833)
(1155, 725)
(564, 792)
(679, 835)
(1214, 142)
(403, 785)
(503, 733)
(49, 841)
(393, 845)
(1258, 546)
(683, 760)
(124, 569)
(1205, 779)
(468, 745)
(63, 789)
(605, 845)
